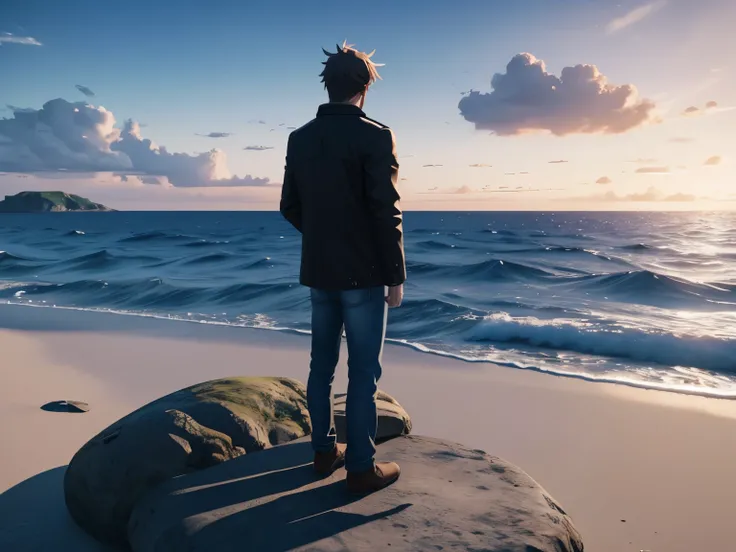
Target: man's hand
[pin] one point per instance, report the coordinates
(395, 295)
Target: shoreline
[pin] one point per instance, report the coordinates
(708, 393)
(661, 461)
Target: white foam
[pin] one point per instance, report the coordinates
(619, 341)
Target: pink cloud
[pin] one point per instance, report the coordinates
(526, 98)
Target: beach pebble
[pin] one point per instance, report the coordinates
(66, 406)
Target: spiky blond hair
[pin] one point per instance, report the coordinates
(348, 71)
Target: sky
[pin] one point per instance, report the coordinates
(495, 105)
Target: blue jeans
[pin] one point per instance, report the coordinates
(363, 314)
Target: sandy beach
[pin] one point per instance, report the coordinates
(636, 469)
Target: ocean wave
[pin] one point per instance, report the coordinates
(143, 293)
(646, 284)
(15, 265)
(641, 271)
(509, 233)
(92, 261)
(530, 331)
(562, 236)
(429, 316)
(636, 247)
(155, 236)
(82, 288)
(100, 260)
(497, 269)
(693, 381)
(204, 243)
(709, 353)
(245, 292)
(210, 259)
(490, 270)
(8, 258)
(724, 286)
(143, 237)
(266, 262)
(135, 294)
(434, 244)
(432, 231)
(561, 251)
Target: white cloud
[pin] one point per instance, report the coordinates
(652, 194)
(9, 38)
(258, 148)
(526, 98)
(711, 108)
(83, 138)
(61, 135)
(634, 16)
(215, 134)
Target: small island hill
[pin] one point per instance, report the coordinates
(48, 202)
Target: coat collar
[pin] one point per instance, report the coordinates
(339, 109)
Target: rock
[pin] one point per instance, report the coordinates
(43, 202)
(448, 498)
(186, 431)
(66, 406)
(393, 420)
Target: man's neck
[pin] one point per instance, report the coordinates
(355, 100)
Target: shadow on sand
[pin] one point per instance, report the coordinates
(34, 517)
(207, 508)
(271, 500)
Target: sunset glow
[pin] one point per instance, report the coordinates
(535, 105)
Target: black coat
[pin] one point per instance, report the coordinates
(340, 191)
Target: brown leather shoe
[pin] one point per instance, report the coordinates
(381, 476)
(327, 462)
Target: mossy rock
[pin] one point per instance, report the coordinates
(393, 420)
(189, 430)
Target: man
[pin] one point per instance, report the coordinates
(340, 192)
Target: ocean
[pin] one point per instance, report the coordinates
(643, 299)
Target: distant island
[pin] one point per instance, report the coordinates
(48, 202)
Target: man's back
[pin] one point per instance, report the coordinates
(340, 192)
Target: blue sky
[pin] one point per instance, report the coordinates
(191, 69)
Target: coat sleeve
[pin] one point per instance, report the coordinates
(381, 179)
(291, 205)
